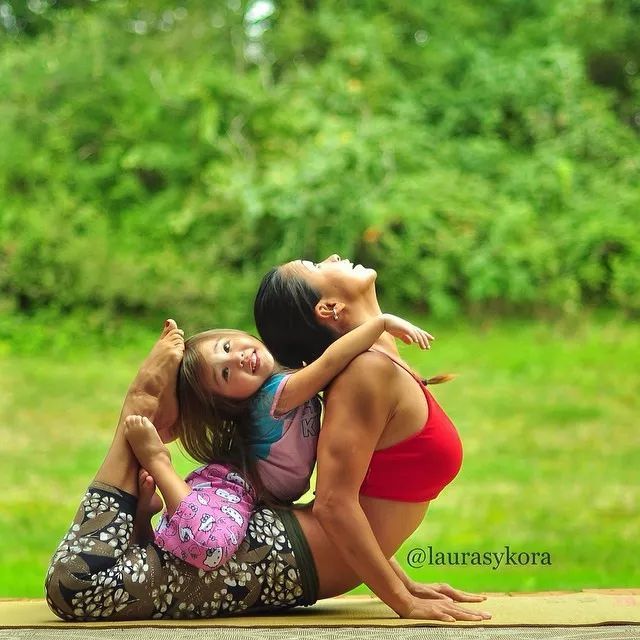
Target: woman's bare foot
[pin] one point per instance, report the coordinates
(167, 414)
(149, 503)
(145, 441)
(154, 387)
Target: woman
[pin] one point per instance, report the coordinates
(101, 572)
(378, 466)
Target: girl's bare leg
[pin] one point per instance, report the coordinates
(155, 380)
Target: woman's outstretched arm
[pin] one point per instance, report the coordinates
(353, 423)
(359, 404)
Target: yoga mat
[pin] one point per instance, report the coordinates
(589, 607)
(328, 633)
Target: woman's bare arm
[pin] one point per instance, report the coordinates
(344, 453)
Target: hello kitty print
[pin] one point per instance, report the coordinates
(209, 524)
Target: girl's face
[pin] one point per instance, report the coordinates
(237, 364)
(335, 277)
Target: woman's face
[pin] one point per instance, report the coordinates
(237, 364)
(335, 277)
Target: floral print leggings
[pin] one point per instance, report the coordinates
(96, 574)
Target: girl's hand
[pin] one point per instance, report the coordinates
(441, 591)
(407, 332)
(440, 609)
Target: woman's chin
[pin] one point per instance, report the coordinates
(368, 279)
(369, 274)
(358, 268)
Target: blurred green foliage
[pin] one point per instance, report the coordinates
(156, 159)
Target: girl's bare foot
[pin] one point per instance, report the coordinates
(149, 503)
(149, 500)
(143, 438)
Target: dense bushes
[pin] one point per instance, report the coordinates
(159, 159)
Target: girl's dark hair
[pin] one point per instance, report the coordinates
(213, 428)
(284, 313)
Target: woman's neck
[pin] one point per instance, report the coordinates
(356, 314)
(366, 310)
(386, 342)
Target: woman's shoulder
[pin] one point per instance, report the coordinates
(370, 371)
(375, 359)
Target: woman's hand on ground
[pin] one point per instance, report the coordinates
(407, 332)
(441, 591)
(440, 609)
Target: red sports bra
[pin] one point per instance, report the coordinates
(419, 467)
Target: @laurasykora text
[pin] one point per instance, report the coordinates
(419, 557)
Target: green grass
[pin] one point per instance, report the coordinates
(547, 415)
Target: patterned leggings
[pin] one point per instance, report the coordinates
(96, 574)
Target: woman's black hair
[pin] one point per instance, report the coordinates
(284, 312)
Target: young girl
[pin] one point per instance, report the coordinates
(238, 405)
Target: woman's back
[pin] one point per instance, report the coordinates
(395, 399)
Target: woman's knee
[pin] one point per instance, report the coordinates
(92, 588)
(58, 575)
(90, 555)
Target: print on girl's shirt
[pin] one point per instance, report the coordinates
(310, 421)
(284, 444)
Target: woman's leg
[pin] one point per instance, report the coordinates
(151, 391)
(86, 562)
(96, 574)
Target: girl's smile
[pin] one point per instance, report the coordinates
(237, 364)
